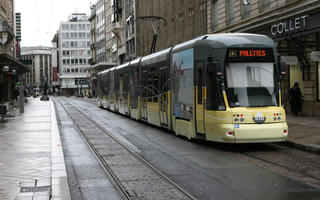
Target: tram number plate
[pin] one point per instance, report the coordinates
(236, 126)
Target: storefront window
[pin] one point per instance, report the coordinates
(296, 75)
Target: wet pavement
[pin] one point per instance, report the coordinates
(32, 164)
(31, 160)
(212, 170)
(304, 132)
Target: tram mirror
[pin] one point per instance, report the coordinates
(219, 68)
(283, 70)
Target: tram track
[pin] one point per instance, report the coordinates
(143, 182)
(291, 162)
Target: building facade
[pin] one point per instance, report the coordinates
(180, 21)
(55, 52)
(293, 25)
(40, 67)
(102, 40)
(130, 29)
(10, 68)
(7, 26)
(74, 43)
(18, 35)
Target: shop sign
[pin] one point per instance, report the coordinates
(289, 25)
(290, 60)
(315, 56)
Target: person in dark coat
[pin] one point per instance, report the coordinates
(296, 99)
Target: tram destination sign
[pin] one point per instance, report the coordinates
(250, 55)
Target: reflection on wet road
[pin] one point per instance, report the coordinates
(216, 171)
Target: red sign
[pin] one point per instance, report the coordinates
(252, 53)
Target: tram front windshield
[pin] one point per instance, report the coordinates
(251, 84)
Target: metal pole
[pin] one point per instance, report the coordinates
(21, 94)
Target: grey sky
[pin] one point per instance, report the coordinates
(40, 19)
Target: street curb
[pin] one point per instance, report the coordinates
(59, 179)
(313, 148)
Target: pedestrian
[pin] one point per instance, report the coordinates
(296, 99)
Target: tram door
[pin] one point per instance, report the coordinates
(200, 97)
(163, 101)
(145, 95)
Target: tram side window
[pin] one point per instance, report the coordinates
(156, 87)
(214, 92)
(144, 82)
(199, 81)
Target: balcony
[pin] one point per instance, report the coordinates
(6, 28)
(91, 61)
(93, 46)
(118, 31)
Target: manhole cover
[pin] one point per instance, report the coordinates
(35, 189)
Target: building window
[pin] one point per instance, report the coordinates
(245, 9)
(191, 12)
(230, 11)
(264, 5)
(214, 15)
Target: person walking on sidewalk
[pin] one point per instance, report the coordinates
(296, 99)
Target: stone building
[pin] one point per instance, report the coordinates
(55, 65)
(101, 40)
(292, 24)
(182, 20)
(130, 29)
(10, 68)
(40, 65)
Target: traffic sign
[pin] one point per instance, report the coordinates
(290, 60)
(315, 56)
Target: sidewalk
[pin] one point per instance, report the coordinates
(304, 132)
(31, 159)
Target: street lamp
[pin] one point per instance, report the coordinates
(5, 68)
(13, 72)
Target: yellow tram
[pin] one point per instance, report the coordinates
(219, 87)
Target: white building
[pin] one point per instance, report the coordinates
(40, 65)
(74, 43)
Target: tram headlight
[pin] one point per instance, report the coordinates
(236, 119)
(285, 132)
(241, 119)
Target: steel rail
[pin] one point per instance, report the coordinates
(106, 168)
(301, 173)
(116, 180)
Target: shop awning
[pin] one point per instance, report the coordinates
(13, 63)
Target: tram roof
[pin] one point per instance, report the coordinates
(158, 56)
(122, 65)
(227, 40)
(135, 61)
